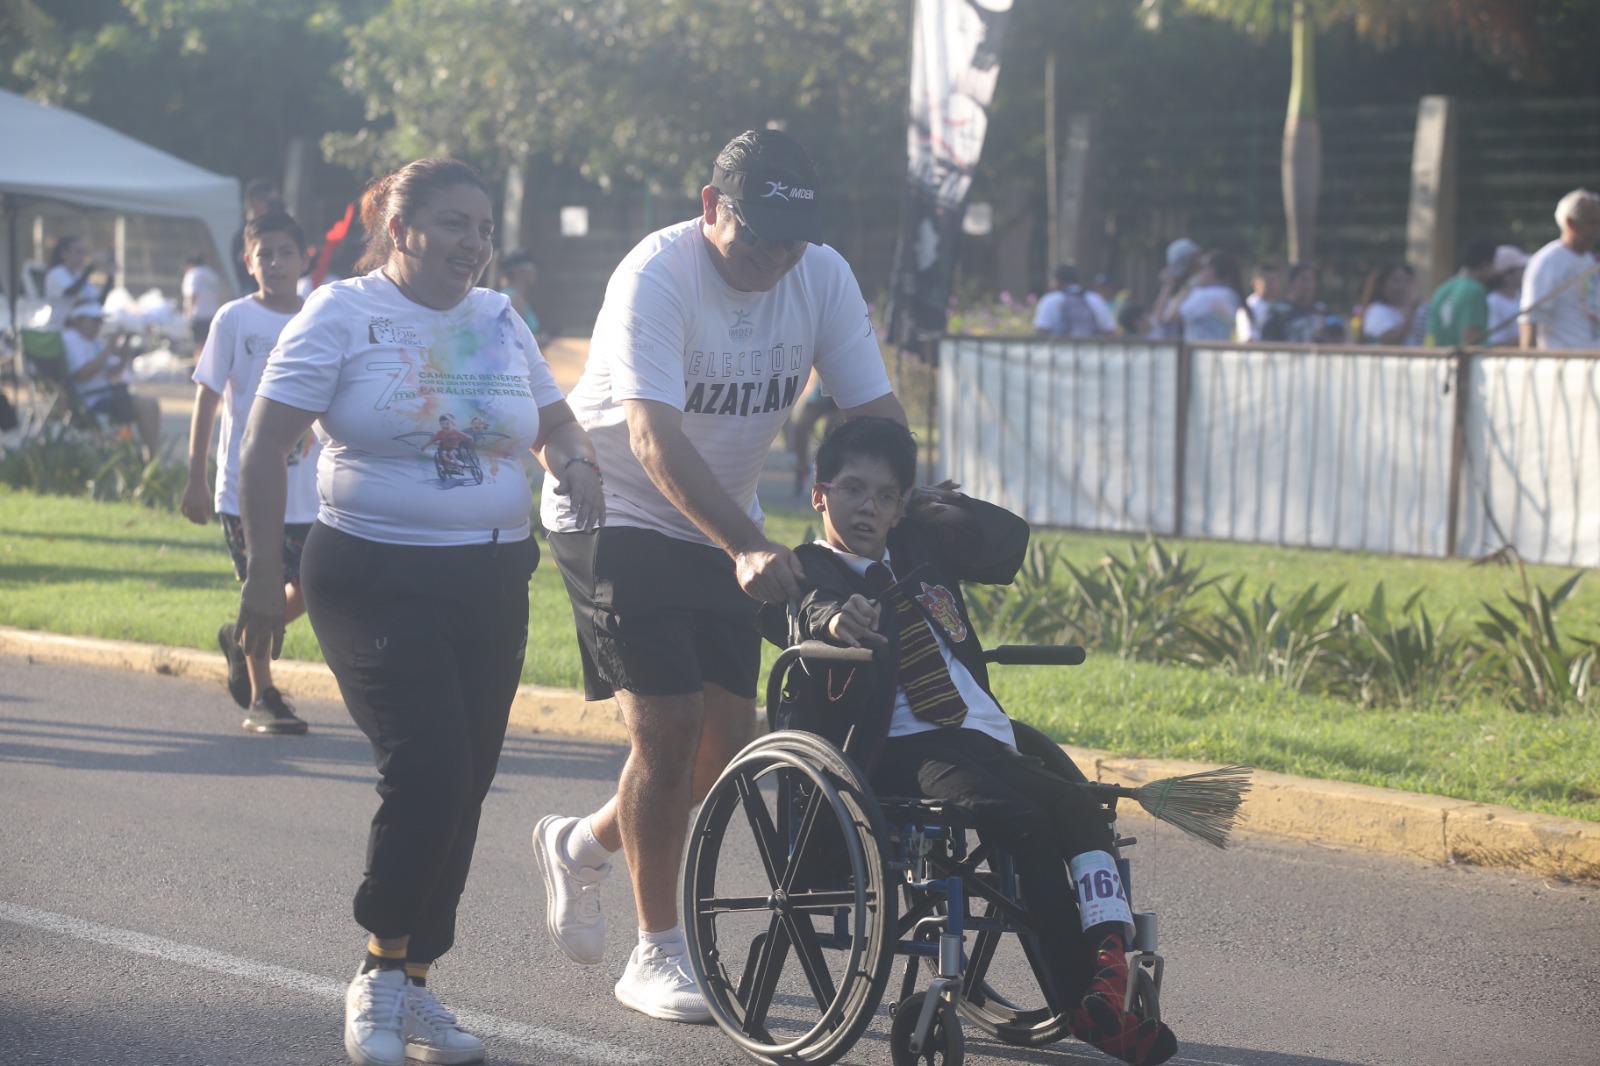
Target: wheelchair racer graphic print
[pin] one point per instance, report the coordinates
(455, 453)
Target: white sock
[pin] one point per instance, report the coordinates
(582, 848)
(669, 941)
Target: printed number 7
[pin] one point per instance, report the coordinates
(397, 377)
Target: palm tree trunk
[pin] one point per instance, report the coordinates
(1302, 141)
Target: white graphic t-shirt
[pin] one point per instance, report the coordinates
(425, 415)
(242, 335)
(734, 362)
(1568, 320)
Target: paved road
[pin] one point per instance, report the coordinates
(175, 892)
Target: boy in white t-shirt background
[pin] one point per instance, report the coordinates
(241, 336)
(202, 298)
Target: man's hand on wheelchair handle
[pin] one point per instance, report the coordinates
(856, 624)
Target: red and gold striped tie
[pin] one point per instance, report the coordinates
(923, 673)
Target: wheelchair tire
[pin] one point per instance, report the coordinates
(1146, 1005)
(818, 853)
(945, 1045)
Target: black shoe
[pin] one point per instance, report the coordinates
(271, 713)
(238, 668)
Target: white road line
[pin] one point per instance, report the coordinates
(490, 1026)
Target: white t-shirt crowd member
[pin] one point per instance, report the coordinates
(1209, 313)
(427, 414)
(56, 283)
(671, 329)
(242, 336)
(1503, 308)
(80, 351)
(1379, 318)
(202, 286)
(1073, 312)
(1571, 319)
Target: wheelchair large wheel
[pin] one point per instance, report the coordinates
(784, 867)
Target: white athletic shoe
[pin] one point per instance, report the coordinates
(662, 986)
(372, 1027)
(432, 1032)
(571, 893)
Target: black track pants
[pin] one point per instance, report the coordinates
(427, 645)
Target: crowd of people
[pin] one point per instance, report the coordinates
(1499, 296)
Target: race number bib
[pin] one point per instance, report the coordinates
(1101, 897)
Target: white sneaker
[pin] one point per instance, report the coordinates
(571, 893)
(372, 1026)
(432, 1032)
(662, 986)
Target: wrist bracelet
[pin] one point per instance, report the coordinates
(586, 461)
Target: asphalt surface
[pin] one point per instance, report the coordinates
(173, 891)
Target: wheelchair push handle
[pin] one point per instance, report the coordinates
(1035, 655)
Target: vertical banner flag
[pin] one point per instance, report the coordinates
(955, 60)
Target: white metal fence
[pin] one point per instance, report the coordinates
(1361, 448)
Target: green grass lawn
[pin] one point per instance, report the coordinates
(126, 572)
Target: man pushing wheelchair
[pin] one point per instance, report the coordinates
(887, 576)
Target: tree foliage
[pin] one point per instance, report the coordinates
(222, 83)
(640, 90)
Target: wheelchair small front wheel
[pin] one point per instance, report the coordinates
(945, 1046)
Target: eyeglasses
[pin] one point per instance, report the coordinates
(852, 494)
(747, 236)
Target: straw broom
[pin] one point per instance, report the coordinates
(1204, 804)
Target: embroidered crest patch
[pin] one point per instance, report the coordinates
(940, 604)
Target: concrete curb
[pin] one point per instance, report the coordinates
(1431, 828)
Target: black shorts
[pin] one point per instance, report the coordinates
(114, 402)
(657, 616)
(294, 542)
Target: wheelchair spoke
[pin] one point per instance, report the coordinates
(977, 967)
(827, 901)
(809, 952)
(732, 904)
(802, 839)
(761, 827)
(763, 982)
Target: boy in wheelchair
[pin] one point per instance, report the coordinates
(887, 577)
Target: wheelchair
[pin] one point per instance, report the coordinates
(458, 465)
(794, 859)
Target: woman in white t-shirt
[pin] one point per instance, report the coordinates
(427, 393)
(66, 283)
(1208, 306)
(1390, 309)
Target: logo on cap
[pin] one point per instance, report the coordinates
(786, 193)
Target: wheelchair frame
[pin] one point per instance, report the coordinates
(891, 847)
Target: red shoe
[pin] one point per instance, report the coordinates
(1100, 1020)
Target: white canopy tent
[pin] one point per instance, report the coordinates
(54, 154)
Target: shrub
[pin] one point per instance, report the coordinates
(1521, 657)
(1036, 608)
(1264, 640)
(1140, 607)
(1405, 661)
(66, 462)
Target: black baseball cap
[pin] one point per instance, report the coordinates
(772, 184)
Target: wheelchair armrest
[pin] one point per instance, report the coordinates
(821, 651)
(1035, 655)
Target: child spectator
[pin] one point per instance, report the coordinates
(242, 336)
(933, 728)
(1266, 286)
